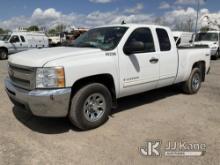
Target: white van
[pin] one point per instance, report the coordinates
(20, 41)
(183, 38)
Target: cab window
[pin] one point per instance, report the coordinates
(164, 40)
(143, 35)
(14, 39)
(22, 38)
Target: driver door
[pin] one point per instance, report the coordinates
(15, 44)
(139, 72)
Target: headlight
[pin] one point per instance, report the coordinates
(50, 77)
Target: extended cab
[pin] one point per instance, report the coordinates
(84, 81)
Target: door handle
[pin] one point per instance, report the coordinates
(154, 60)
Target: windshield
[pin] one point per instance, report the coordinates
(206, 37)
(4, 37)
(106, 38)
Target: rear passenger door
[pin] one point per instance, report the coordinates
(168, 57)
(140, 71)
(24, 44)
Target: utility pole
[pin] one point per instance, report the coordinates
(197, 17)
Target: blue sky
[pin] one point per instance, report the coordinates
(84, 8)
(11, 8)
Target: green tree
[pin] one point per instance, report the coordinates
(205, 29)
(33, 28)
(4, 31)
(52, 31)
(1, 31)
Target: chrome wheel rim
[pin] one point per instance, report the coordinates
(94, 107)
(196, 81)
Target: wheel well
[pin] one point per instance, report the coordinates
(201, 65)
(4, 48)
(105, 79)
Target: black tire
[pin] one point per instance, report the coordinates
(218, 53)
(190, 86)
(78, 114)
(3, 54)
(216, 56)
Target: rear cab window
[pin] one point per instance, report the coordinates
(164, 40)
(22, 38)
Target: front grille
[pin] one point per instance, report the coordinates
(22, 76)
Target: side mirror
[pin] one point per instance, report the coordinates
(190, 41)
(134, 47)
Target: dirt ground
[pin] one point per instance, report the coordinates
(164, 114)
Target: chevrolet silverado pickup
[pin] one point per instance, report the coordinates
(84, 81)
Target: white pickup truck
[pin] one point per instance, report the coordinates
(19, 41)
(211, 39)
(84, 81)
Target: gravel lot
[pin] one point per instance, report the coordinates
(164, 114)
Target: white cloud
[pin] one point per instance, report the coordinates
(179, 16)
(189, 2)
(164, 5)
(51, 17)
(100, 1)
(135, 9)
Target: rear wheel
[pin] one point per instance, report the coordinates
(217, 55)
(193, 84)
(91, 106)
(3, 54)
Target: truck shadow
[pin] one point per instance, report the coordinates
(42, 124)
(127, 103)
(62, 125)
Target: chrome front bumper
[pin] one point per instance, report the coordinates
(44, 103)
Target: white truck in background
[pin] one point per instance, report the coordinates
(211, 39)
(183, 38)
(85, 80)
(55, 40)
(19, 41)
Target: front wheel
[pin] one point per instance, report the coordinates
(91, 106)
(3, 54)
(193, 84)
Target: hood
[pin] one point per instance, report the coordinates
(39, 57)
(209, 43)
(2, 42)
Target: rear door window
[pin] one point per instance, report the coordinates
(22, 38)
(164, 40)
